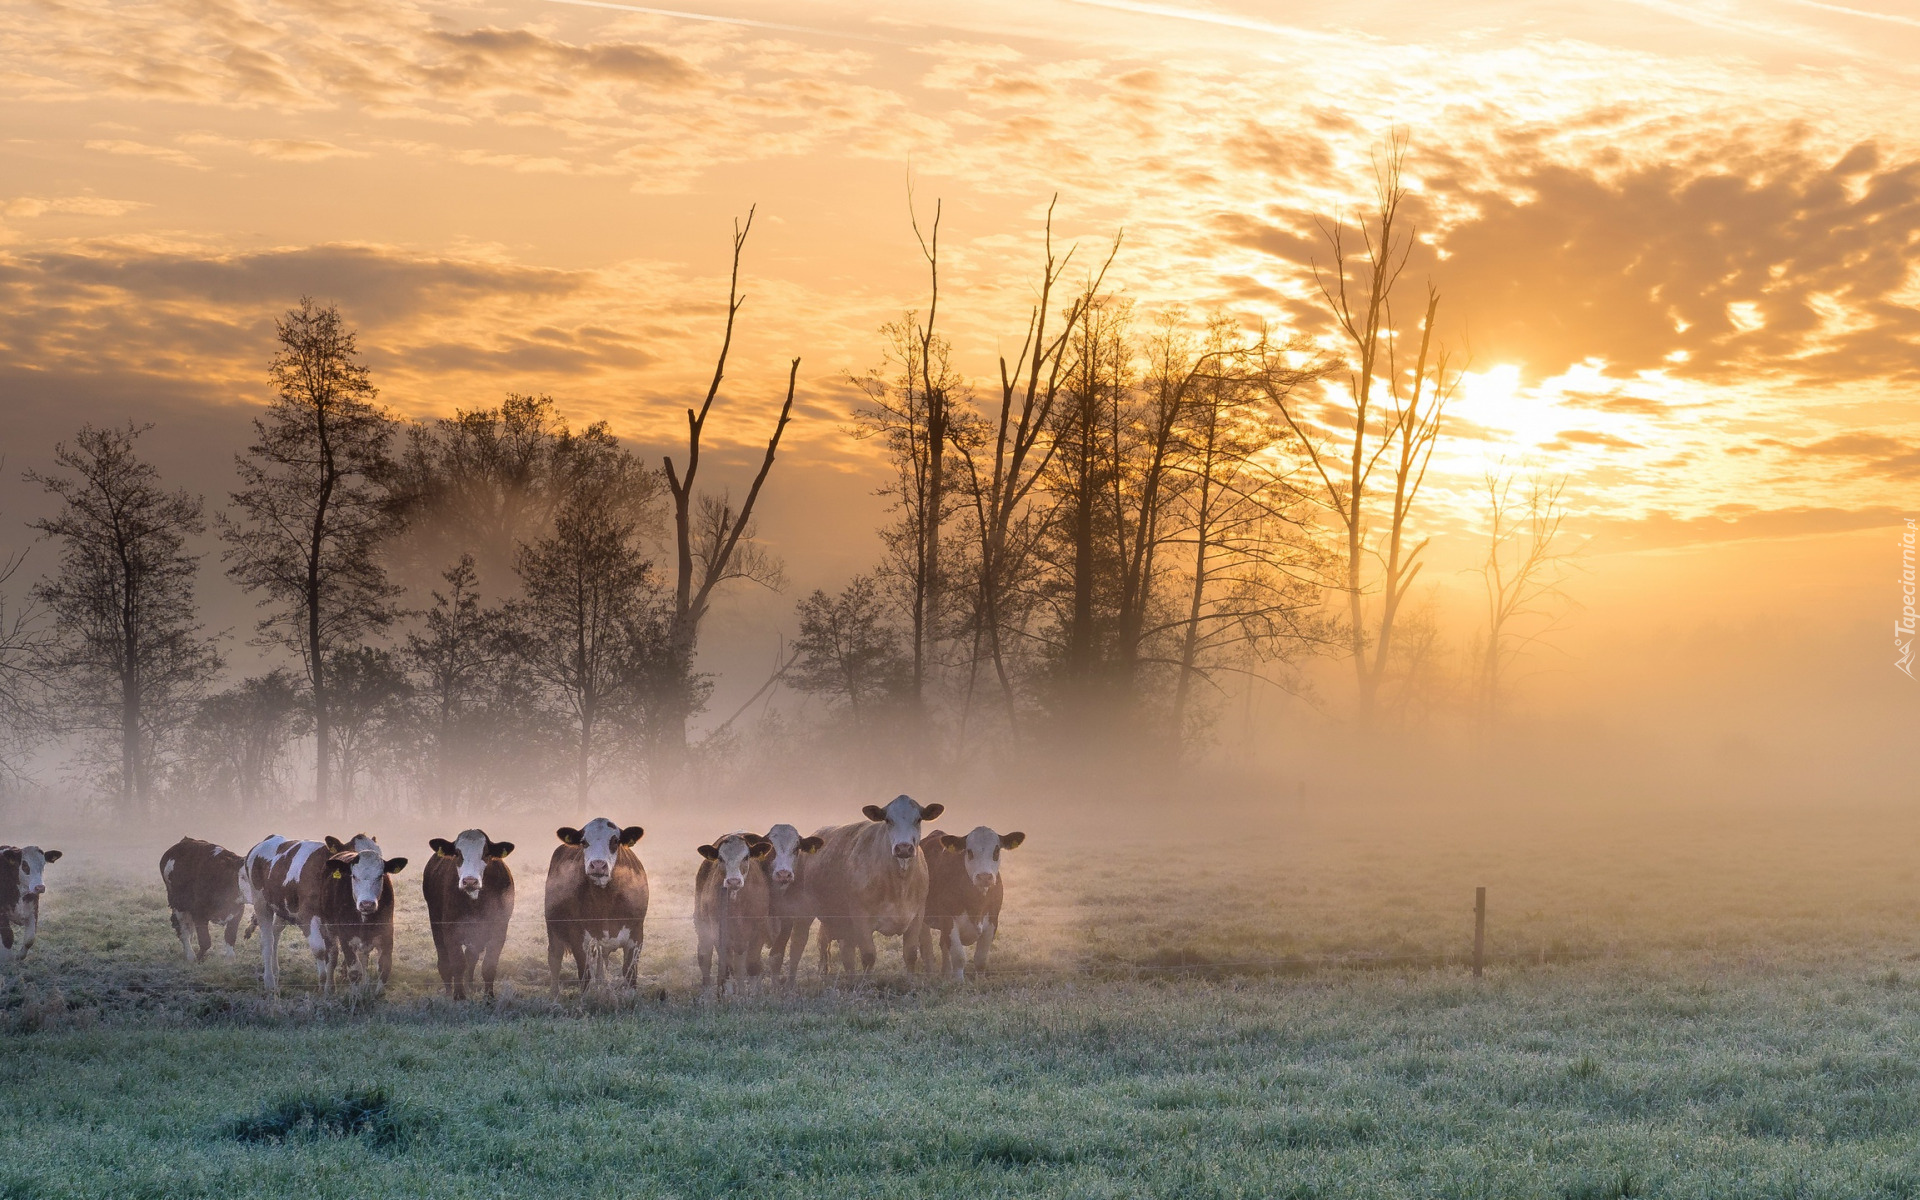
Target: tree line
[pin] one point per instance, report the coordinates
(1142, 506)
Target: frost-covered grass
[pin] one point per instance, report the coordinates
(1725, 1008)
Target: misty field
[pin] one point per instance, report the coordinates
(1721, 1003)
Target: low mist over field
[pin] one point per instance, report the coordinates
(1287, 602)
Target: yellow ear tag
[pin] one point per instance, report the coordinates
(336, 873)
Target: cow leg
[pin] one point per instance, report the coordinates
(270, 955)
(630, 964)
(6, 936)
(204, 936)
(988, 928)
(782, 934)
(323, 954)
(29, 928)
(233, 936)
(953, 954)
(556, 958)
(910, 954)
(385, 946)
(490, 963)
(864, 940)
(179, 931)
(801, 928)
(442, 959)
(704, 952)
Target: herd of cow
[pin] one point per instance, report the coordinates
(753, 893)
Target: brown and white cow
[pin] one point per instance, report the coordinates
(340, 900)
(596, 901)
(203, 888)
(469, 891)
(730, 908)
(788, 901)
(964, 894)
(22, 883)
(870, 878)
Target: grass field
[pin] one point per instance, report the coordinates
(1715, 1003)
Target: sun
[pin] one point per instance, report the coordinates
(1494, 398)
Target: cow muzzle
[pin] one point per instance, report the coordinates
(39, 889)
(599, 872)
(783, 876)
(471, 887)
(733, 885)
(983, 882)
(903, 849)
(367, 906)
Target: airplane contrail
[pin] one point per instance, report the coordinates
(719, 20)
(1205, 17)
(1843, 10)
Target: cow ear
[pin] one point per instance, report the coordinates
(931, 811)
(760, 849)
(441, 846)
(52, 856)
(953, 841)
(809, 844)
(709, 852)
(873, 812)
(499, 849)
(1011, 841)
(334, 844)
(569, 835)
(631, 834)
(396, 865)
(343, 857)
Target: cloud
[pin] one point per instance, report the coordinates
(76, 206)
(1664, 529)
(1730, 261)
(1875, 452)
(165, 154)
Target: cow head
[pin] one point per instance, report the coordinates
(28, 862)
(902, 817)
(601, 840)
(472, 851)
(365, 871)
(732, 852)
(982, 848)
(783, 863)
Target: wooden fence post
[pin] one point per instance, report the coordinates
(1479, 929)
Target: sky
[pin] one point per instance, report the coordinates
(1677, 244)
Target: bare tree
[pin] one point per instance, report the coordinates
(126, 650)
(454, 660)
(1523, 572)
(848, 650)
(704, 563)
(22, 655)
(368, 692)
(1390, 417)
(588, 586)
(484, 481)
(315, 506)
(1255, 568)
(239, 737)
(1010, 461)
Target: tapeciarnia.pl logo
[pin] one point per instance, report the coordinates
(1903, 626)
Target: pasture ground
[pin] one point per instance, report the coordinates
(1711, 1003)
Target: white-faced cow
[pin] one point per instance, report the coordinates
(870, 878)
(788, 901)
(203, 889)
(964, 894)
(730, 914)
(341, 900)
(596, 901)
(469, 890)
(22, 883)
